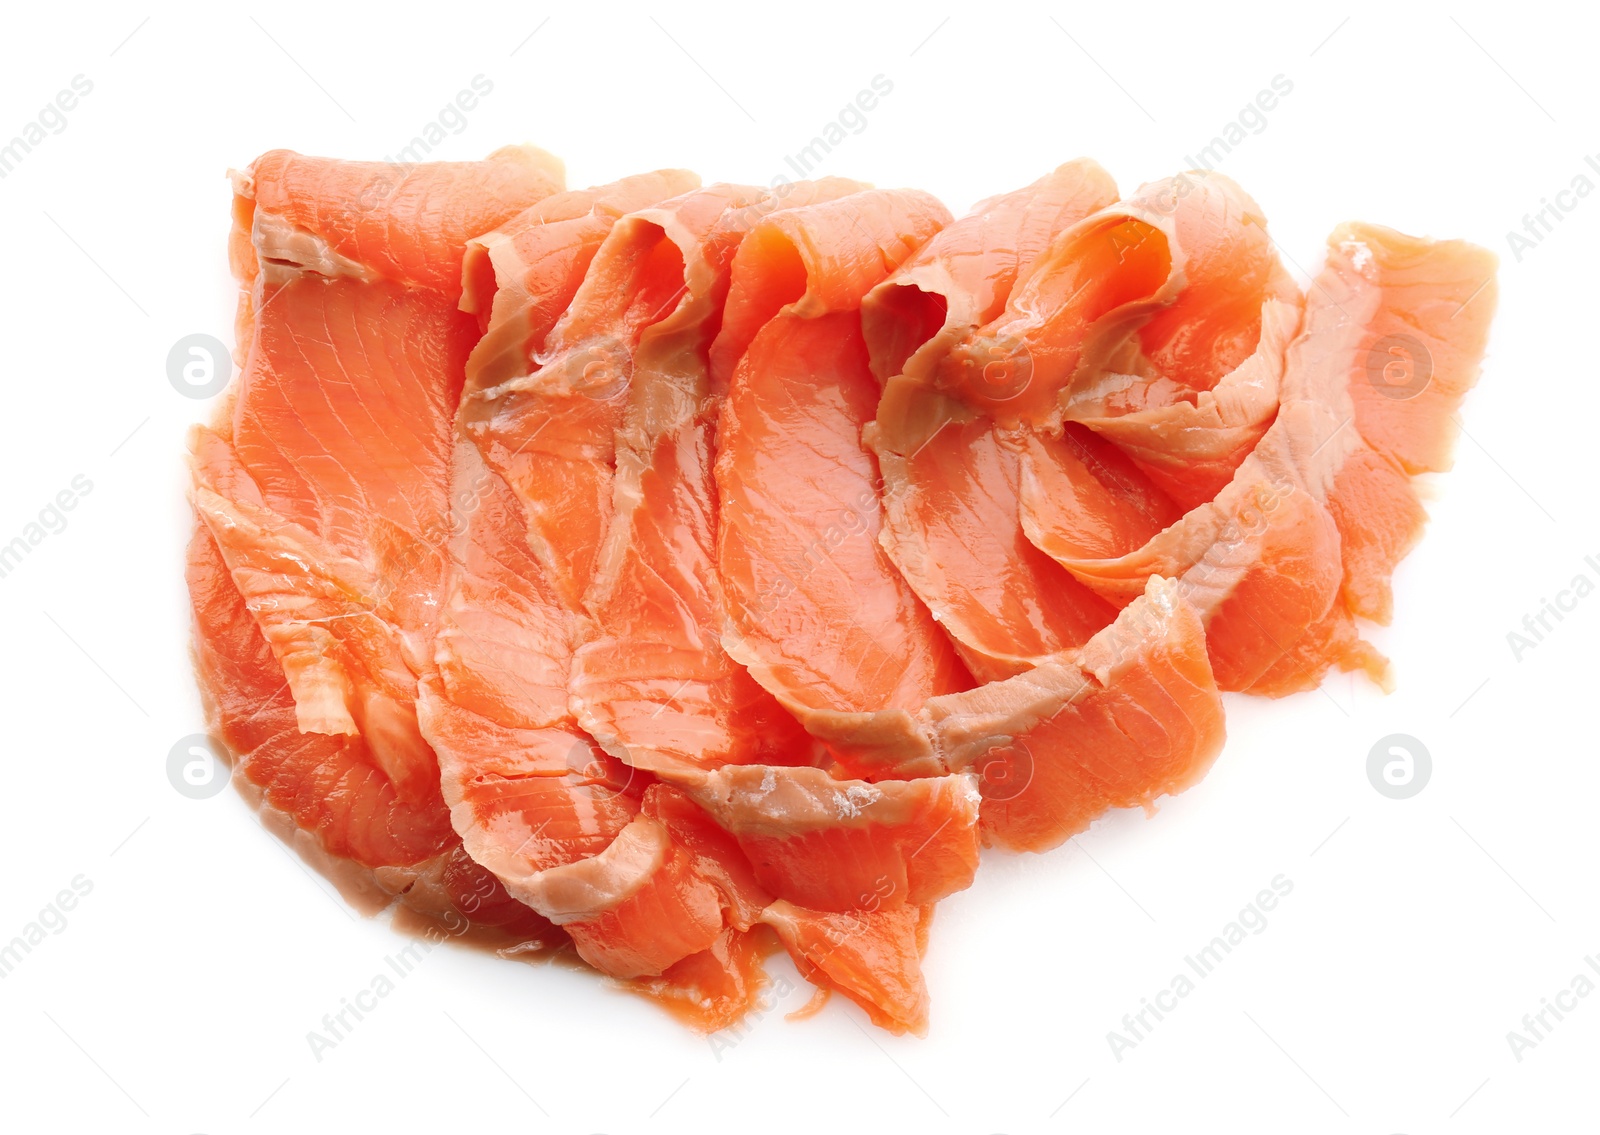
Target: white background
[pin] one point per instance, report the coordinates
(1418, 933)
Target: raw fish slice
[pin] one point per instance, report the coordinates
(1131, 716)
(518, 279)
(717, 987)
(652, 682)
(1395, 329)
(580, 380)
(817, 611)
(406, 224)
(328, 623)
(872, 953)
(1100, 502)
(841, 845)
(1188, 443)
(325, 474)
(532, 794)
(528, 789)
(950, 474)
(1307, 533)
(1145, 323)
(325, 795)
(872, 957)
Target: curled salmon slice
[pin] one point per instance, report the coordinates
(518, 278)
(816, 610)
(951, 473)
(528, 789)
(1305, 536)
(844, 845)
(1131, 716)
(1395, 330)
(871, 952)
(651, 681)
(1189, 443)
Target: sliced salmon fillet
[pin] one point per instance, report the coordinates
(951, 474)
(871, 952)
(1143, 323)
(651, 681)
(1090, 492)
(1393, 355)
(321, 494)
(324, 795)
(817, 612)
(561, 822)
(1189, 443)
(839, 845)
(1132, 715)
(613, 568)
(519, 278)
(408, 225)
(1306, 534)
(529, 791)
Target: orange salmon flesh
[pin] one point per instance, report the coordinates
(668, 575)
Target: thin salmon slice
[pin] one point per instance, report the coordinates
(951, 474)
(1189, 443)
(651, 681)
(816, 610)
(839, 845)
(551, 432)
(1393, 355)
(1133, 715)
(528, 789)
(574, 843)
(871, 952)
(518, 279)
(321, 495)
(1305, 536)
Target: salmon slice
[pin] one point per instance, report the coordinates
(579, 378)
(651, 682)
(1306, 534)
(557, 819)
(841, 845)
(1143, 322)
(529, 791)
(1189, 443)
(1132, 715)
(519, 278)
(951, 474)
(717, 987)
(859, 955)
(872, 953)
(1096, 499)
(406, 224)
(321, 497)
(817, 612)
(1393, 355)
